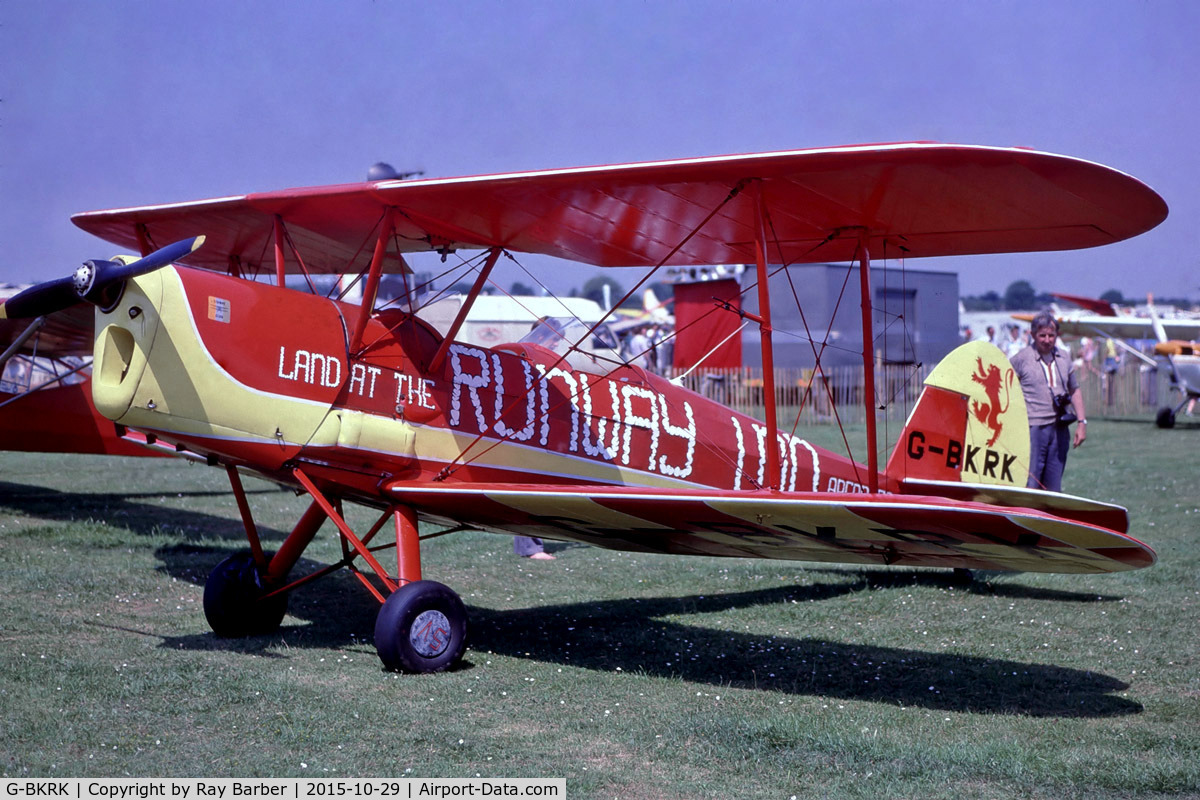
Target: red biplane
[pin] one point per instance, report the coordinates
(354, 402)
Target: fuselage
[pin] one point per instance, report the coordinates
(263, 377)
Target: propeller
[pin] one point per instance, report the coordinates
(97, 281)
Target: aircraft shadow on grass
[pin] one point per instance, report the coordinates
(125, 510)
(636, 635)
(641, 636)
(1182, 422)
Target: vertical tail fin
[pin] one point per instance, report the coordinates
(969, 425)
(1160, 332)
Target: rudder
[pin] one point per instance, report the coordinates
(969, 425)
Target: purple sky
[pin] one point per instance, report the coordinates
(108, 104)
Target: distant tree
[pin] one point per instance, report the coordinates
(1177, 302)
(594, 289)
(1113, 296)
(519, 288)
(1019, 296)
(988, 301)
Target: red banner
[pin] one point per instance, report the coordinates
(702, 325)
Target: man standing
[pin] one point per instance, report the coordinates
(1053, 400)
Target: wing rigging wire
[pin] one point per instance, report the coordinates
(366, 268)
(570, 399)
(287, 237)
(737, 188)
(900, 389)
(785, 269)
(903, 389)
(451, 467)
(817, 367)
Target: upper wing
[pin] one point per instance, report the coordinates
(846, 528)
(916, 199)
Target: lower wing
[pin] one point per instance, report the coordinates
(848, 528)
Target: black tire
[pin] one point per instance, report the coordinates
(233, 600)
(422, 627)
(1165, 418)
(962, 577)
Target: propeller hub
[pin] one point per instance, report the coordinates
(84, 277)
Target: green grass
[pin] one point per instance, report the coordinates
(630, 675)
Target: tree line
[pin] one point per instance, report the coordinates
(1019, 296)
(1022, 296)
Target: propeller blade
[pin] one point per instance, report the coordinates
(159, 258)
(36, 301)
(96, 281)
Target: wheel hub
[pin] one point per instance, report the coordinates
(430, 633)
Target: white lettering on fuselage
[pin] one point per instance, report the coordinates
(598, 448)
(612, 432)
(789, 461)
(521, 415)
(473, 381)
(413, 390)
(359, 375)
(525, 432)
(313, 368)
(624, 422)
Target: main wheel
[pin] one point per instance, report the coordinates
(962, 577)
(234, 603)
(422, 627)
(1165, 418)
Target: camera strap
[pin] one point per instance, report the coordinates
(1048, 371)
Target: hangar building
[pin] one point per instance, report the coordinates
(915, 315)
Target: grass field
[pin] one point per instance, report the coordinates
(631, 676)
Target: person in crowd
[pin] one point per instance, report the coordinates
(1087, 354)
(637, 349)
(1015, 342)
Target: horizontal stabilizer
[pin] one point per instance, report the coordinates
(1080, 509)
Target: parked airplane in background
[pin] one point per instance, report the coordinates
(1184, 360)
(353, 403)
(1101, 318)
(1171, 334)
